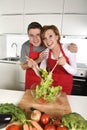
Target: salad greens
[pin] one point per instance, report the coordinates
(17, 113)
(45, 89)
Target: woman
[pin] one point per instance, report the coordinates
(57, 52)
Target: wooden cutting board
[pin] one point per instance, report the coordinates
(59, 107)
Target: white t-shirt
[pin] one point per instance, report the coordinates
(71, 67)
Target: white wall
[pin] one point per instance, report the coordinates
(19, 40)
(82, 48)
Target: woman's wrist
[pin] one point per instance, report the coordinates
(37, 60)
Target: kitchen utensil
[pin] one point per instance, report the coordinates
(50, 72)
(54, 67)
(35, 67)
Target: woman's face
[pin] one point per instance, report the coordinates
(50, 39)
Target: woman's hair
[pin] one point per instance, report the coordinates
(34, 25)
(47, 27)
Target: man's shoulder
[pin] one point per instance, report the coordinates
(26, 43)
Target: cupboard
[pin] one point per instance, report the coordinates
(69, 15)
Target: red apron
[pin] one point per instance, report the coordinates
(31, 77)
(60, 75)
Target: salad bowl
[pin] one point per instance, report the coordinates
(43, 97)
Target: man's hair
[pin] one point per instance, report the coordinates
(34, 25)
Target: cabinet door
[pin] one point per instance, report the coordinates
(8, 76)
(2, 46)
(20, 78)
(74, 25)
(75, 6)
(43, 6)
(43, 20)
(11, 6)
(12, 24)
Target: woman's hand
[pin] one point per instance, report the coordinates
(61, 60)
(41, 57)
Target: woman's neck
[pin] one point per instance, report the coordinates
(56, 51)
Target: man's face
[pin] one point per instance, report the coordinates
(34, 36)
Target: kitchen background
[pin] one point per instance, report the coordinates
(70, 16)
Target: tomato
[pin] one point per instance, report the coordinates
(42, 101)
(57, 122)
(45, 118)
(49, 127)
(62, 128)
(13, 127)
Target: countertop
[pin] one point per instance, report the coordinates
(78, 103)
(9, 62)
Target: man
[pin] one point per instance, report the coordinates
(34, 49)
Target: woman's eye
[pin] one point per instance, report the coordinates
(50, 36)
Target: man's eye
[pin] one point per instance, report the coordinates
(38, 35)
(30, 35)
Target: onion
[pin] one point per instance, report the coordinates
(35, 115)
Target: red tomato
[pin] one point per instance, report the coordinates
(45, 118)
(49, 127)
(62, 128)
(13, 127)
(57, 122)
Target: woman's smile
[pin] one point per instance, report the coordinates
(50, 39)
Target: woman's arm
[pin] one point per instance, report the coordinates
(71, 67)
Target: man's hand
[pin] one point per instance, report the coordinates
(31, 63)
(73, 47)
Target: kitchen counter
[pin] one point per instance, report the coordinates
(9, 62)
(78, 103)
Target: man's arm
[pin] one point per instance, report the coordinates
(73, 47)
(24, 66)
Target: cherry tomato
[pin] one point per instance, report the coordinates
(45, 118)
(62, 128)
(49, 127)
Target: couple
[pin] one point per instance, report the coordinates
(45, 49)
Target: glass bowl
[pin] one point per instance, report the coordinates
(33, 93)
(41, 100)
